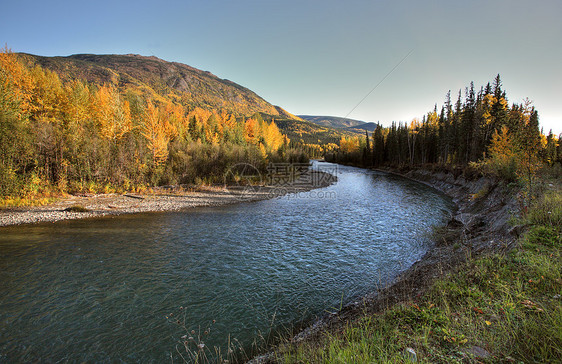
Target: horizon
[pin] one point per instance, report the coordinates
(313, 59)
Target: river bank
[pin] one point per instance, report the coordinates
(478, 227)
(169, 198)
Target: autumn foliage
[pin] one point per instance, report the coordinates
(76, 135)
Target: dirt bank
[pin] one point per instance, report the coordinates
(479, 225)
(161, 199)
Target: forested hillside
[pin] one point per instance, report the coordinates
(332, 121)
(64, 134)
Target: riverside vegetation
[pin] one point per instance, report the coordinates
(501, 306)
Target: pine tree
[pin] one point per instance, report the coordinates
(367, 158)
(550, 149)
(499, 108)
(379, 146)
(468, 124)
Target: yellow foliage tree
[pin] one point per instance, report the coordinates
(155, 134)
(272, 136)
(349, 145)
(251, 131)
(78, 107)
(49, 99)
(18, 76)
(503, 155)
(112, 114)
(172, 115)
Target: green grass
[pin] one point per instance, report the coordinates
(509, 305)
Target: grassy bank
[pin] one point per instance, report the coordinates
(497, 308)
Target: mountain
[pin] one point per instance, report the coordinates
(152, 76)
(366, 126)
(332, 121)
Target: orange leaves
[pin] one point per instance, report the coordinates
(217, 127)
(111, 113)
(154, 130)
(272, 136)
(49, 98)
(251, 131)
(501, 142)
(201, 115)
(478, 310)
(433, 119)
(415, 126)
(78, 106)
(349, 145)
(226, 119)
(39, 92)
(173, 117)
(266, 135)
(16, 77)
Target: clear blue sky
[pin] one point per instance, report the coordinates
(321, 57)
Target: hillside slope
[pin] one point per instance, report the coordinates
(153, 76)
(331, 121)
(363, 127)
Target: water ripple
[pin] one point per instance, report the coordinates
(99, 290)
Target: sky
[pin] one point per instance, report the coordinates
(321, 57)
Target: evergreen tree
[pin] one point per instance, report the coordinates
(367, 151)
(550, 152)
(468, 125)
(378, 146)
(500, 107)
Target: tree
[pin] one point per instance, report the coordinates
(21, 83)
(251, 131)
(273, 139)
(379, 146)
(193, 129)
(503, 155)
(412, 133)
(530, 144)
(112, 114)
(367, 151)
(349, 145)
(550, 150)
(499, 108)
(154, 132)
(468, 125)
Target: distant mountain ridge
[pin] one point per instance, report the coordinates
(156, 77)
(332, 121)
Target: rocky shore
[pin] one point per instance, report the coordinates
(168, 198)
(479, 225)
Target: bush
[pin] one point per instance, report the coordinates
(76, 208)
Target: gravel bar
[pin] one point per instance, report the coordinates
(117, 204)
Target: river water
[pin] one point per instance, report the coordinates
(102, 290)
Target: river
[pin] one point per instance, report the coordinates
(102, 290)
